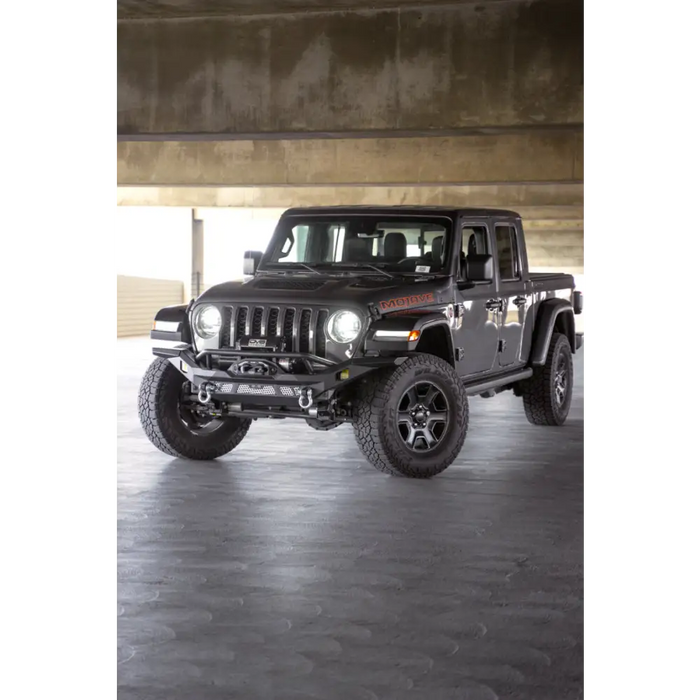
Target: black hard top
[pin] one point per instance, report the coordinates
(417, 210)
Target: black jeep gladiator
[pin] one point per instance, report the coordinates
(387, 318)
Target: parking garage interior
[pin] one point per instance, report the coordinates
(289, 568)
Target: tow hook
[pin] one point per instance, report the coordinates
(306, 400)
(204, 394)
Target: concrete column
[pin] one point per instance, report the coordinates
(197, 281)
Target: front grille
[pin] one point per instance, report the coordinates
(288, 332)
(241, 318)
(272, 321)
(302, 329)
(256, 330)
(321, 333)
(226, 326)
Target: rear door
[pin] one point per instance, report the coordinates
(512, 289)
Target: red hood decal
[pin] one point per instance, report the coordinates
(406, 302)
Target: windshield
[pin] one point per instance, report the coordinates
(407, 245)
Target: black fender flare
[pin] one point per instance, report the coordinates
(547, 314)
(177, 314)
(404, 323)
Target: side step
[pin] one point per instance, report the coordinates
(486, 385)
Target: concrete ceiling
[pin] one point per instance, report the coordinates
(146, 9)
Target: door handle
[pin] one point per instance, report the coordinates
(519, 301)
(494, 304)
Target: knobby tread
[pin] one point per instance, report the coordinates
(157, 393)
(379, 441)
(537, 391)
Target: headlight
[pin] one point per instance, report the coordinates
(207, 322)
(344, 326)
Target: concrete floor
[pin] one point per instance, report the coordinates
(291, 569)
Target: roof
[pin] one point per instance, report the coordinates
(403, 209)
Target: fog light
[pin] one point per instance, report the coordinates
(413, 336)
(344, 374)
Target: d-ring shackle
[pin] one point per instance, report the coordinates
(204, 395)
(306, 400)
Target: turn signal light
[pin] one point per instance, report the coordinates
(413, 336)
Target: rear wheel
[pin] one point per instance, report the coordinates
(547, 394)
(176, 424)
(412, 419)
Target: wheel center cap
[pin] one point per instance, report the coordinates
(420, 416)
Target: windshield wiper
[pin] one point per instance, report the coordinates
(308, 267)
(290, 268)
(360, 265)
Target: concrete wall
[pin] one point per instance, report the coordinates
(138, 300)
(465, 65)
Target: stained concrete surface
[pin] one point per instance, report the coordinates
(291, 569)
(438, 67)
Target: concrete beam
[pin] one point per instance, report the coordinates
(170, 9)
(538, 201)
(542, 156)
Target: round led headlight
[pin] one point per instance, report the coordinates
(207, 322)
(344, 326)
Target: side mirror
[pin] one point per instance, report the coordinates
(479, 268)
(251, 260)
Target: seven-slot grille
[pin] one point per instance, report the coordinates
(303, 329)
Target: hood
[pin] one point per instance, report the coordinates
(319, 290)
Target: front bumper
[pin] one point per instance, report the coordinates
(251, 393)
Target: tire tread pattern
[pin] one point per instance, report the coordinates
(157, 421)
(537, 392)
(379, 445)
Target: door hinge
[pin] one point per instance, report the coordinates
(502, 346)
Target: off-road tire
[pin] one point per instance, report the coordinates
(538, 392)
(375, 426)
(159, 415)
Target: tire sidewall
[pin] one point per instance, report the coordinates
(456, 428)
(168, 416)
(561, 349)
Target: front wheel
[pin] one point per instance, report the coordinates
(412, 420)
(547, 394)
(173, 423)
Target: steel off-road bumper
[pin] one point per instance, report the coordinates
(278, 394)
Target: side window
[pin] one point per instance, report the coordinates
(507, 244)
(475, 241)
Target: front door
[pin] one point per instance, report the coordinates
(476, 331)
(511, 292)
